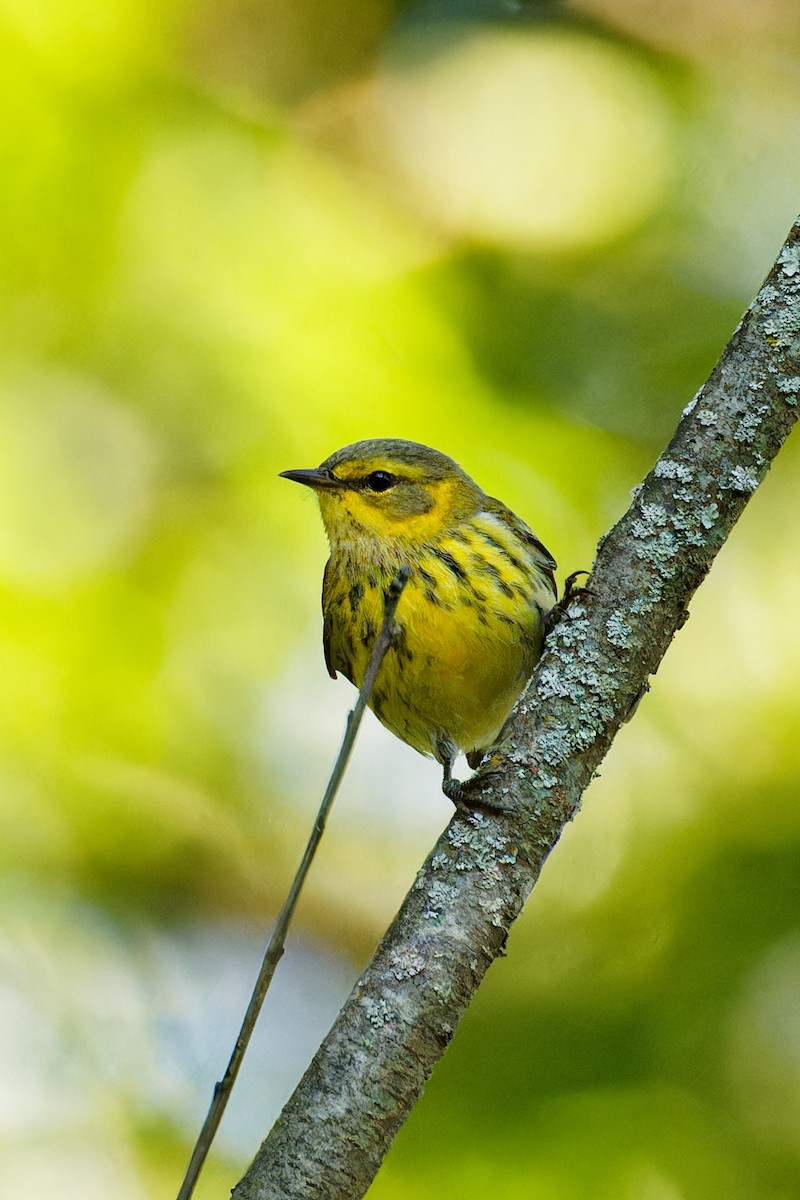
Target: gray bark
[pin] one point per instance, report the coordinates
(331, 1137)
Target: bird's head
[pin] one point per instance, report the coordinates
(390, 488)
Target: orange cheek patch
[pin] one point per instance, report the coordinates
(423, 527)
(383, 518)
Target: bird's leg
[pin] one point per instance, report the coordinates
(453, 789)
(467, 794)
(450, 786)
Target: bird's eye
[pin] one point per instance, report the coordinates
(380, 481)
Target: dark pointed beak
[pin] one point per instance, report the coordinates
(314, 478)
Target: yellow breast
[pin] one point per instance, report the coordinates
(468, 633)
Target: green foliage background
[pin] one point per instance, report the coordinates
(236, 236)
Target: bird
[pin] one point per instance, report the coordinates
(470, 624)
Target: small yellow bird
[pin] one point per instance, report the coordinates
(470, 623)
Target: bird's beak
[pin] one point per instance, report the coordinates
(313, 478)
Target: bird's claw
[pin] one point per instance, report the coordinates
(472, 795)
(571, 592)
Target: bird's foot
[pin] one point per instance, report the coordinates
(472, 795)
(571, 592)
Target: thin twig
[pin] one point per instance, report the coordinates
(276, 945)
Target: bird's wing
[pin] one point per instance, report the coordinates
(539, 553)
(327, 622)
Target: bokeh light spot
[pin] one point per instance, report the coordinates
(552, 140)
(75, 475)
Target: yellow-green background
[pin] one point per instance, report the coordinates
(236, 236)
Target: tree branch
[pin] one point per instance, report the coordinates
(333, 1133)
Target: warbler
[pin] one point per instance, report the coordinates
(470, 623)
